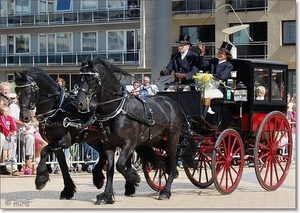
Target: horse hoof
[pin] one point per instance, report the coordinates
(104, 202)
(163, 197)
(40, 187)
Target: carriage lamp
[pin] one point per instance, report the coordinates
(240, 93)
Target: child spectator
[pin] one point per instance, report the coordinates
(8, 128)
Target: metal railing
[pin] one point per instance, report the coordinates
(73, 58)
(62, 18)
(252, 50)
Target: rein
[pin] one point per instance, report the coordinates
(44, 116)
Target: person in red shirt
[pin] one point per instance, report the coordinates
(8, 127)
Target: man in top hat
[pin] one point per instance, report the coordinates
(184, 64)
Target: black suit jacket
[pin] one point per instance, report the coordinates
(188, 66)
(220, 71)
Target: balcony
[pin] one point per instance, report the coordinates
(62, 18)
(75, 58)
(252, 50)
(192, 7)
(247, 5)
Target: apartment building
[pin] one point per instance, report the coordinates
(58, 34)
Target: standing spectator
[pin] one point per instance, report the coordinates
(136, 89)
(26, 135)
(293, 99)
(291, 116)
(8, 128)
(3, 102)
(184, 64)
(62, 83)
(5, 88)
(146, 90)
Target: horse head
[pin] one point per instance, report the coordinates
(36, 90)
(88, 85)
(27, 91)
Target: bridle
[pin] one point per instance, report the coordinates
(90, 93)
(33, 98)
(34, 89)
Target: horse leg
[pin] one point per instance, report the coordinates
(42, 174)
(129, 187)
(130, 173)
(98, 176)
(70, 188)
(107, 197)
(172, 150)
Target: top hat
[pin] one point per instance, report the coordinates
(226, 47)
(184, 39)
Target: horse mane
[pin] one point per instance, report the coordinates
(111, 69)
(38, 73)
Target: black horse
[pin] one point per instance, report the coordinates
(132, 123)
(60, 124)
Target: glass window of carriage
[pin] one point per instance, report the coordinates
(277, 82)
(261, 82)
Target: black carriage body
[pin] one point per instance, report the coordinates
(273, 76)
(245, 115)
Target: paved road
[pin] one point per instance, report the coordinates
(20, 193)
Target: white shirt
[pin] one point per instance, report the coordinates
(222, 61)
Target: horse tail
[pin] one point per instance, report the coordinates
(146, 154)
(186, 148)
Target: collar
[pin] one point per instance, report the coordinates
(183, 55)
(222, 61)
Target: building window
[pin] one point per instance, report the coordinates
(89, 41)
(116, 40)
(63, 5)
(46, 6)
(22, 43)
(89, 4)
(288, 33)
(51, 43)
(115, 3)
(22, 6)
(204, 33)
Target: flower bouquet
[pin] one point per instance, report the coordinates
(205, 82)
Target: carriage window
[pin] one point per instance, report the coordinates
(278, 84)
(269, 84)
(261, 83)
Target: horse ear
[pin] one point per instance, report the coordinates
(17, 75)
(90, 63)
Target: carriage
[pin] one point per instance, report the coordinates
(243, 132)
(165, 128)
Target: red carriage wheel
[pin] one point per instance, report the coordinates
(201, 176)
(273, 150)
(156, 177)
(228, 161)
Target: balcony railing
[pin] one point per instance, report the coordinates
(75, 58)
(61, 18)
(192, 6)
(252, 50)
(247, 5)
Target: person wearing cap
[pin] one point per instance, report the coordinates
(184, 64)
(220, 67)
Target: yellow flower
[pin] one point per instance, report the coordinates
(203, 80)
